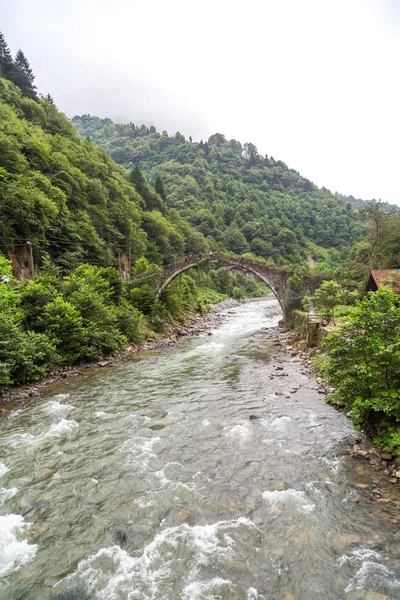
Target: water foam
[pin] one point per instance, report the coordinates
(6, 494)
(63, 428)
(3, 469)
(14, 552)
(239, 431)
(165, 480)
(56, 406)
(205, 590)
(371, 574)
(141, 449)
(288, 498)
(281, 423)
(252, 594)
(113, 573)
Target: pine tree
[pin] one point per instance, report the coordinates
(159, 187)
(137, 178)
(24, 76)
(6, 61)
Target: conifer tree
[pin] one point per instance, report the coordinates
(6, 61)
(159, 187)
(24, 76)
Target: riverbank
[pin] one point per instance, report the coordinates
(361, 447)
(194, 325)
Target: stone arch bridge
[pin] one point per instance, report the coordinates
(277, 278)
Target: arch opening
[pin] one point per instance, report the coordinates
(232, 264)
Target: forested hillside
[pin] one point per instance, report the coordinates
(240, 200)
(68, 216)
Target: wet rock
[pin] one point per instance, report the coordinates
(377, 596)
(120, 538)
(34, 533)
(184, 514)
(386, 456)
(76, 594)
(253, 417)
(209, 333)
(345, 540)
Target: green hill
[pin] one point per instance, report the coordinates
(241, 201)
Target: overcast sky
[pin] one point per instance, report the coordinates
(315, 83)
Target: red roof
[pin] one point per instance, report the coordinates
(383, 276)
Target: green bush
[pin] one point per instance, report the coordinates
(24, 356)
(64, 325)
(363, 361)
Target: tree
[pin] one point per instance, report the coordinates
(363, 361)
(329, 295)
(6, 61)
(159, 187)
(24, 76)
(235, 240)
(250, 153)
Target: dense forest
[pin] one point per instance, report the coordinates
(239, 200)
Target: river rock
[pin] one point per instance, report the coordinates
(103, 363)
(397, 474)
(386, 456)
(345, 540)
(377, 596)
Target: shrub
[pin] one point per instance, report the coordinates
(363, 361)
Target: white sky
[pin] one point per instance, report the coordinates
(315, 83)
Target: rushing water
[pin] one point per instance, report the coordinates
(191, 473)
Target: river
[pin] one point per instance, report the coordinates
(210, 470)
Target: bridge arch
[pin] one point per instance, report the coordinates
(276, 278)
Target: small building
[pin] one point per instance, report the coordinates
(381, 277)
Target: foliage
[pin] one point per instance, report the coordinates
(380, 248)
(330, 295)
(363, 361)
(238, 199)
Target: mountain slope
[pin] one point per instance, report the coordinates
(240, 200)
(68, 201)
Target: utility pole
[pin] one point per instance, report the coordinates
(31, 265)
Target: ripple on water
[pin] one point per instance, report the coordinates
(3, 469)
(61, 429)
(239, 431)
(281, 424)
(112, 573)
(371, 574)
(290, 499)
(206, 590)
(57, 406)
(6, 494)
(14, 551)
